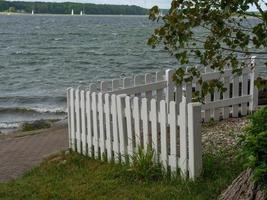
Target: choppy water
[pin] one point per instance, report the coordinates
(40, 56)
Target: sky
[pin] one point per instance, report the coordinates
(143, 3)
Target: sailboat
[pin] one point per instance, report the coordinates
(72, 12)
(32, 12)
(81, 13)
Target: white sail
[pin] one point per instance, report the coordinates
(72, 12)
(81, 13)
(32, 12)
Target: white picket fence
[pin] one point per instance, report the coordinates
(113, 127)
(111, 119)
(240, 98)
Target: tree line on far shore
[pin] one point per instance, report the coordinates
(66, 8)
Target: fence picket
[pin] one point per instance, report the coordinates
(116, 144)
(83, 133)
(78, 120)
(136, 116)
(109, 145)
(72, 120)
(122, 128)
(235, 94)
(226, 110)
(89, 124)
(173, 136)
(182, 122)
(129, 121)
(163, 133)
(244, 108)
(144, 117)
(95, 125)
(101, 126)
(154, 127)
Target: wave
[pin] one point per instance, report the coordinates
(32, 99)
(9, 125)
(22, 110)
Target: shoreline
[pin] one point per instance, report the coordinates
(50, 14)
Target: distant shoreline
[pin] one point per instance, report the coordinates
(75, 15)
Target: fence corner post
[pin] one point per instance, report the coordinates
(194, 140)
(253, 89)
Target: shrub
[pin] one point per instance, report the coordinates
(144, 167)
(39, 124)
(254, 146)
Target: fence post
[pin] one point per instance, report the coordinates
(170, 87)
(253, 89)
(194, 140)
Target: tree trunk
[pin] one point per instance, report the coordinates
(243, 188)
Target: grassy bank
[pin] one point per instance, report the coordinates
(74, 176)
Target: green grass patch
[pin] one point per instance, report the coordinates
(36, 125)
(73, 176)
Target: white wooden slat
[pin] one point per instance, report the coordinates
(253, 89)
(194, 140)
(69, 116)
(163, 133)
(244, 108)
(235, 94)
(78, 120)
(226, 110)
(89, 123)
(173, 137)
(144, 117)
(129, 123)
(136, 116)
(216, 114)
(72, 118)
(154, 127)
(115, 130)
(226, 102)
(207, 111)
(102, 142)
(95, 125)
(170, 87)
(109, 145)
(182, 122)
(122, 126)
(83, 120)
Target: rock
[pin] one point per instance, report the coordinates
(243, 188)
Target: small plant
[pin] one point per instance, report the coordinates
(39, 124)
(254, 146)
(144, 167)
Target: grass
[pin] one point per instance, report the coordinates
(72, 176)
(36, 125)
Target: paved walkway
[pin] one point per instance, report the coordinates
(20, 154)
